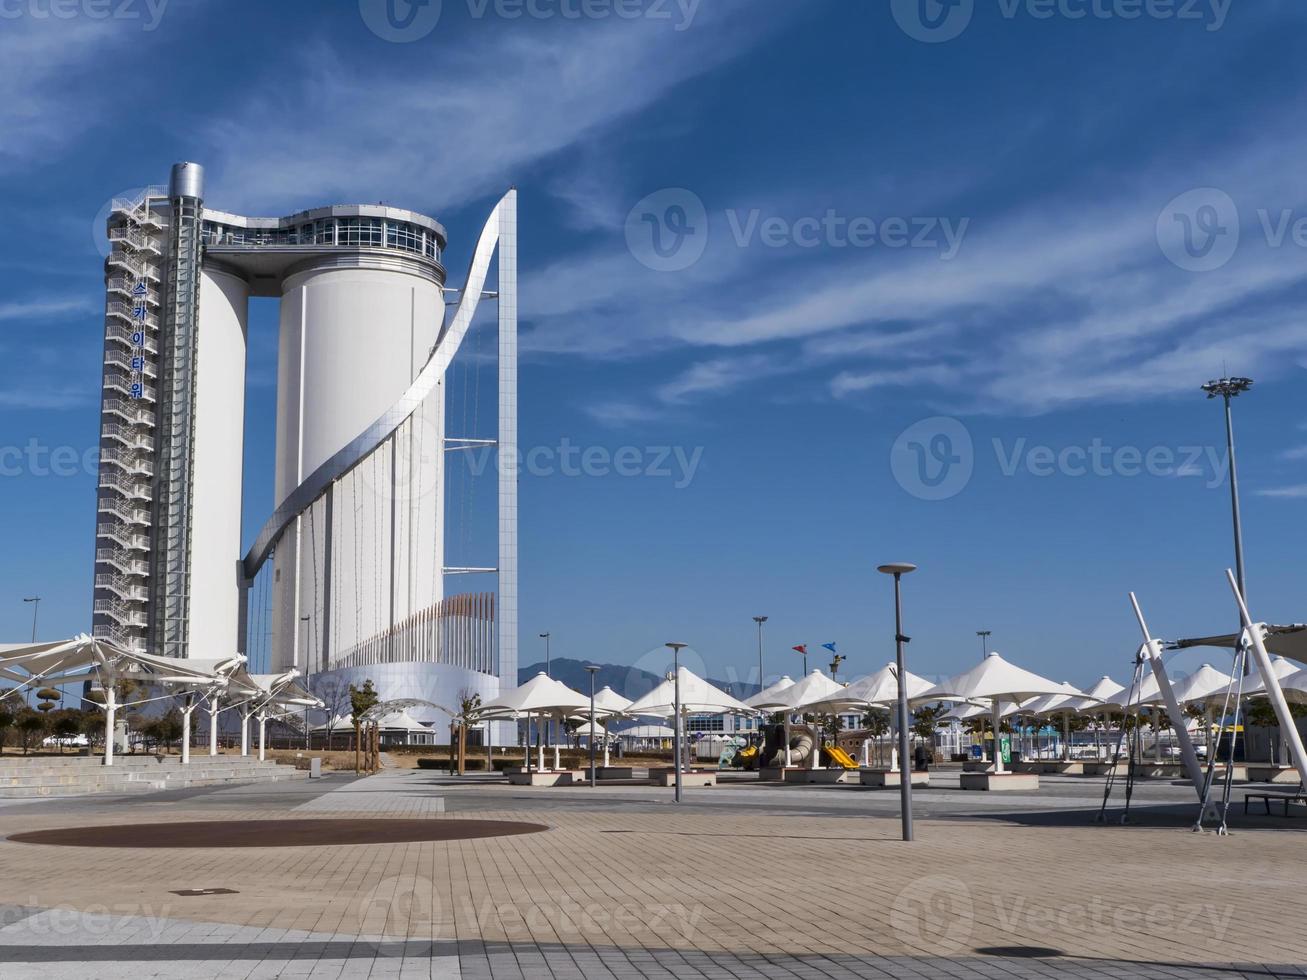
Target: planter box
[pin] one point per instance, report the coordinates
(549, 777)
(1103, 768)
(890, 778)
(1063, 768)
(693, 777)
(1267, 773)
(613, 772)
(977, 765)
(802, 775)
(1000, 782)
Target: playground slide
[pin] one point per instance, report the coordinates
(802, 743)
(840, 757)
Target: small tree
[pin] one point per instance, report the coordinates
(469, 713)
(30, 724)
(7, 719)
(925, 722)
(64, 724)
(361, 701)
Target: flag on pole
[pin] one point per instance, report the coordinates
(830, 646)
(801, 648)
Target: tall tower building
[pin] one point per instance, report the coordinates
(351, 561)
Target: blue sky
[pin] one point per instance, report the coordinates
(839, 268)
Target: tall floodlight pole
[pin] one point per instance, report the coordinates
(676, 649)
(1228, 388)
(898, 570)
(984, 642)
(592, 669)
(36, 606)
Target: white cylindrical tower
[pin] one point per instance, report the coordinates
(356, 328)
(219, 445)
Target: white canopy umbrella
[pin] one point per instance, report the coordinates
(608, 704)
(541, 695)
(878, 689)
(766, 698)
(1282, 667)
(1204, 685)
(815, 686)
(1098, 693)
(698, 697)
(1057, 706)
(997, 681)
(1293, 684)
(598, 731)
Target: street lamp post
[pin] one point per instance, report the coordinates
(676, 649)
(549, 672)
(760, 620)
(1228, 388)
(898, 570)
(304, 620)
(984, 643)
(36, 606)
(592, 670)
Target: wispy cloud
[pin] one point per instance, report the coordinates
(1295, 492)
(1297, 452)
(37, 309)
(462, 125)
(45, 397)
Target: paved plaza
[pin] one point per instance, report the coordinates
(742, 880)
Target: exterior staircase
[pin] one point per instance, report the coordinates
(79, 775)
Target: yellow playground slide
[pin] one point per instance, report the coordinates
(840, 757)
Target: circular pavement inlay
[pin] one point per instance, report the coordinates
(309, 832)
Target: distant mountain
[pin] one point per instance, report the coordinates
(629, 682)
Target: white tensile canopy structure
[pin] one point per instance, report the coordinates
(1058, 706)
(609, 704)
(698, 697)
(815, 686)
(267, 696)
(1099, 693)
(539, 697)
(766, 698)
(995, 681)
(1287, 641)
(84, 658)
(1204, 686)
(874, 690)
(1290, 675)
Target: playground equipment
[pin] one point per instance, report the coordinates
(838, 756)
(801, 743)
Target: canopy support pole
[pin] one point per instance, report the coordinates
(110, 709)
(186, 732)
(1152, 649)
(245, 732)
(996, 721)
(263, 734)
(1256, 632)
(213, 724)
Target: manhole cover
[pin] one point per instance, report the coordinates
(275, 833)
